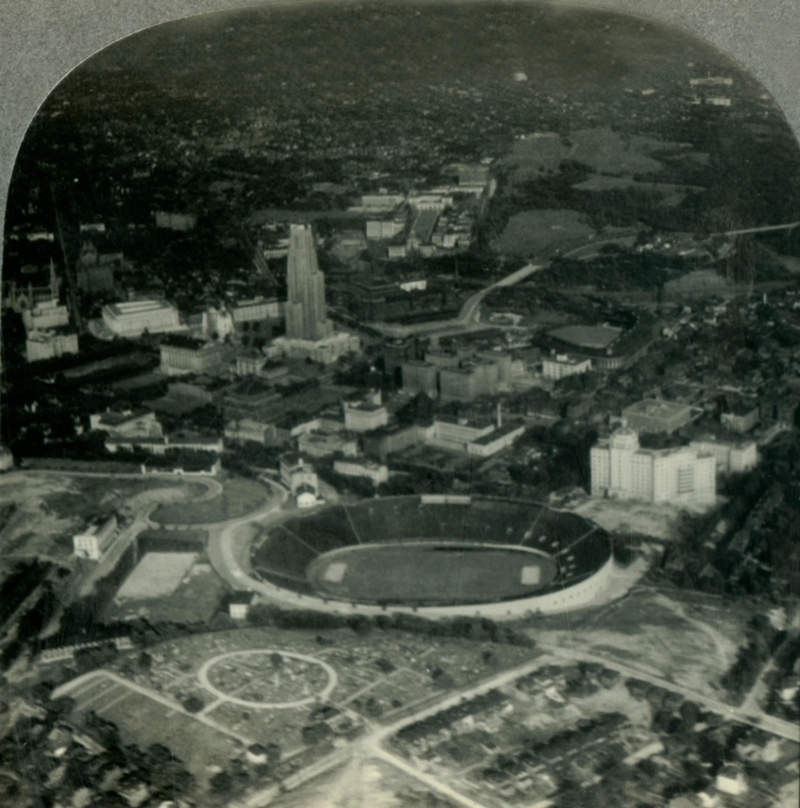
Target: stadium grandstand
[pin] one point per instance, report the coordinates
(431, 551)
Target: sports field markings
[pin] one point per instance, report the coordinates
(100, 695)
(352, 525)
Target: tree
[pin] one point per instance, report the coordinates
(193, 704)
(221, 783)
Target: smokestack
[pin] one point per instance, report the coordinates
(499, 415)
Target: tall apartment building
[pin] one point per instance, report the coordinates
(305, 304)
(621, 468)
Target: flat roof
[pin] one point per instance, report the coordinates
(657, 408)
(136, 307)
(498, 433)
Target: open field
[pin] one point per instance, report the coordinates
(395, 662)
(238, 498)
(157, 575)
(194, 600)
(603, 150)
(52, 507)
(692, 644)
(143, 721)
(537, 231)
(671, 193)
(629, 516)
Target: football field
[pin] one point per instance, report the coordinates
(431, 573)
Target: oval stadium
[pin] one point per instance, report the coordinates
(437, 555)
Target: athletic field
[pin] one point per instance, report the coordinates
(430, 573)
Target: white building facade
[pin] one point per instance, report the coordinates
(562, 366)
(134, 318)
(621, 469)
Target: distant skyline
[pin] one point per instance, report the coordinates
(563, 48)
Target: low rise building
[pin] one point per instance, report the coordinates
(381, 202)
(182, 354)
(249, 397)
(45, 315)
(257, 309)
(95, 540)
(494, 442)
(467, 382)
(182, 222)
(741, 417)
(40, 345)
(657, 415)
(364, 416)
(324, 444)
(296, 472)
(203, 389)
(133, 424)
(184, 441)
(362, 468)
(249, 363)
(246, 429)
(132, 319)
(621, 469)
(239, 604)
(384, 442)
(325, 351)
(731, 458)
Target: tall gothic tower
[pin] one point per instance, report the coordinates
(305, 304)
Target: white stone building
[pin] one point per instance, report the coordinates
(620, 468)
(134, 318)
(562, 365)
(95, 540)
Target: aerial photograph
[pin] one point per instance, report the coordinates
(400, 406)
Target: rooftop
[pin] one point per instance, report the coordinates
(498, 433)
(183, 341)
(587, 336)
(657, 408)
(114, 418)
(136, 307)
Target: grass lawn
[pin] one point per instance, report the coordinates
(192, 602)
(239, 497)
(88, 497)
(534, 231)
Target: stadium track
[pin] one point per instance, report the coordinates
(229, 548)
